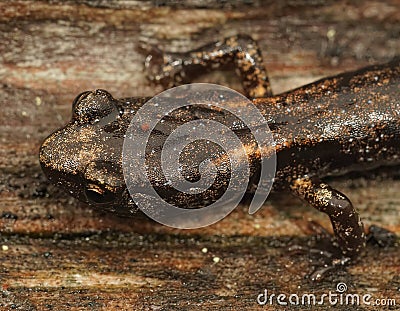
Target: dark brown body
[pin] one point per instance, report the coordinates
(330, 127)
(333, 126)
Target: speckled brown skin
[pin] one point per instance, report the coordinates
(332, 126)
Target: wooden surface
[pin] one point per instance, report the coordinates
(57, 254)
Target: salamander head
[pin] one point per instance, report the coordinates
(84, 157)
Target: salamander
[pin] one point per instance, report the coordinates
(348, 122)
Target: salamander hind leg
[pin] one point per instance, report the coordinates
(346, 223)
(242, 51)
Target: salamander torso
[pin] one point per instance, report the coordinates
(329, 127)
(333, 126)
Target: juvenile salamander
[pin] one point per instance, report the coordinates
(344, 123)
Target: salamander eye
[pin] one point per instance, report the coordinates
(98, 195)
(90, 107)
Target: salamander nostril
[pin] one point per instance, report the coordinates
(95, 194)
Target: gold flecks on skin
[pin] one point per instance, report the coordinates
(323, 196)
(335, 125)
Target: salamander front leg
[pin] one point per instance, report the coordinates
(345, 220)
(171, 69)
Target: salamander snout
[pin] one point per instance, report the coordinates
(83, 156)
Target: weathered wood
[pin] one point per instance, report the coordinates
(58, 254)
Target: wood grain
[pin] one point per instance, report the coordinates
(57, 254)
